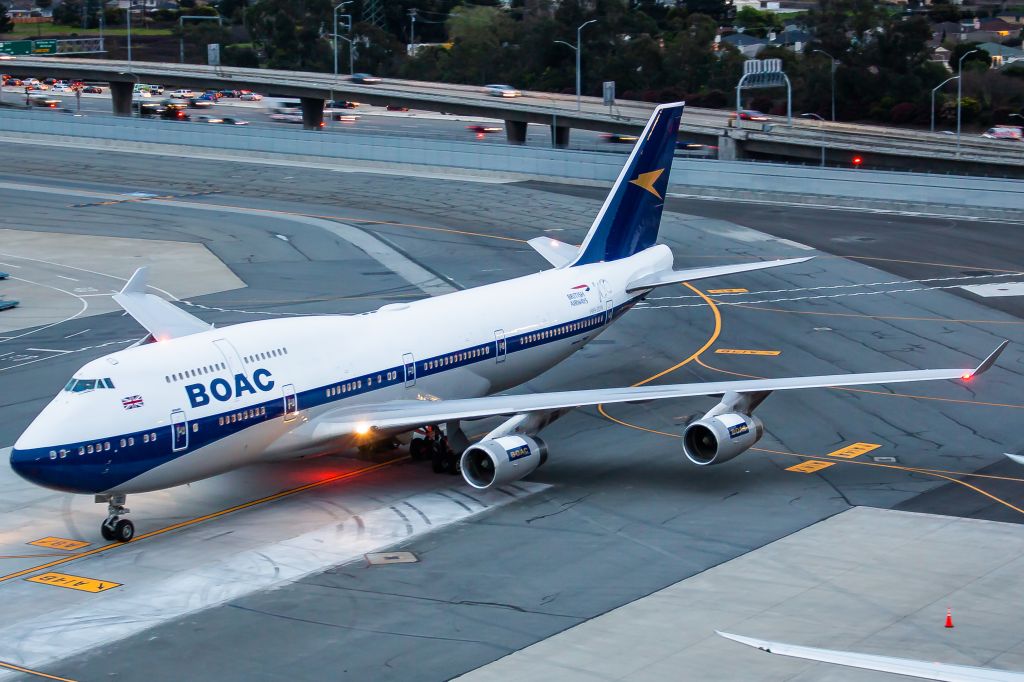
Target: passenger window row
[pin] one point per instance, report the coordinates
(102, 446)
(344, 388)
(242, 416)
(457, 357)
(558, 331)
(199, 371)
(276, 353)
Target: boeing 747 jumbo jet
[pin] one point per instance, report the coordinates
(189, 401)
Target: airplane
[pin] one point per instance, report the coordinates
(928, 670)
(190, 401)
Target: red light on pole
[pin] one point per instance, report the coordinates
(857, 161)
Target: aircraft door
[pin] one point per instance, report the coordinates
(291, 402)
(409, 363)
(179, 430)
(231, 356)
(499, 345)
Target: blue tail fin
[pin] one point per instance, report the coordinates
(629, 219)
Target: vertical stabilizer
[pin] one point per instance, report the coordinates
(629, 219)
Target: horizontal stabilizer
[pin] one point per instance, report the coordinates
(660, 279)
(160, 318)
(555, 252)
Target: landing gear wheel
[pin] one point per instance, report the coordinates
(451, 463)
(124, 531)
(106, 532)
(437, 461)
(416, 449)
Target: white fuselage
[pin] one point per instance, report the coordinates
(171, 412)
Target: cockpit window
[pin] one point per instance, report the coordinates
(82, 385)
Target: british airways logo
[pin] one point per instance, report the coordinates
(578, 295)
(223, 390)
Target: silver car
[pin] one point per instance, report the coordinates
(502, 91)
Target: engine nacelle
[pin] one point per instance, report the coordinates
(495, 462)
(717, 439)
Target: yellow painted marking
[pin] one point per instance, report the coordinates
(59, 543)
(29, 671)
(646, 181)
(810, 466)
(742, 351)
(728, 291)
(73, 582)
(855, 450)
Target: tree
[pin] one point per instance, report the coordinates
(981, 57)
(6, 25)
(291, 31)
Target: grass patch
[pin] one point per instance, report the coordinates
(28, 31)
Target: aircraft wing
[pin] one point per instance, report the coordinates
(928, 670)
(399, 414)
(660, 279)
(162, 319)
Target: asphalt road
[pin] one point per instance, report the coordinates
(625, 515)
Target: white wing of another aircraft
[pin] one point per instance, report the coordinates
(405, 413)
(160, 318)
(928, 670)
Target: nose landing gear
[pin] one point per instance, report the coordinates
(116, 528)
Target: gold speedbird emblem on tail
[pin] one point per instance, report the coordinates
(647, 180)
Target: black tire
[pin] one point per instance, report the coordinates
(451, 463)
(124, 531)
(437, 462)
(106, 532)
(416, 449)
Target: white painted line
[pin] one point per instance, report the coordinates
(282, 237)
(9, 265)
(996, 289)
(76, 334)
(49, 350)
(68, 278)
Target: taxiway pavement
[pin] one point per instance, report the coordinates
(624, 515)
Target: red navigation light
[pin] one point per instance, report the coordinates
(966, 376)
(857, 161)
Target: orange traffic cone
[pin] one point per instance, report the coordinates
(949, 617)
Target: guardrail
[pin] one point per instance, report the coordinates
(525, 162)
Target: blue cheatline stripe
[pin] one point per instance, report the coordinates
(92, 472)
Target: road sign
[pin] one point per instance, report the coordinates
(44, 47)
(213, 54)
(14, 47)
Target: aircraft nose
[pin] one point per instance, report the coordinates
(28, 465)
(35, 465)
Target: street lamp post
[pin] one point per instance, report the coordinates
(340, 5)
(128, 16)
(579, 50)
(833, 82)
(181, 31)
(936, 89)
(959, 94)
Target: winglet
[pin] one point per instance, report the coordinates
(1019, 459)
(987, 362)
(138, 283)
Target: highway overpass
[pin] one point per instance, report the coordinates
(880, 146)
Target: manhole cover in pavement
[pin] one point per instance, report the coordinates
(378, 558)
(885, 460)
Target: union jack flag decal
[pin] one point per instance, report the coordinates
(131, 402)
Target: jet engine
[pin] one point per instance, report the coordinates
(496, 461)
(719, 438)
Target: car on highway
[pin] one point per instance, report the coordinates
(202, 118)
(365, 78)
(481, 129)
(37, 87)
(62, 88)
(50, 81)
(1004, 133)
(5, 57)
(181, 93)
(396, 107)
(251, 97)
(232, 94)
(92, 90)
(340, 104)
(44, 102)
(12, 81)
(200, 103)
(502, 90)
(619, 138)
(750, 115)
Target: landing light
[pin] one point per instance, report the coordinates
(362, 428)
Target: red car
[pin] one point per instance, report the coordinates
(481, 129)
(750, 115)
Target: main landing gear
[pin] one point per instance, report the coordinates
(434, 446)
(116, 528)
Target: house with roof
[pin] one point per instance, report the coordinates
(1002, 55)
(749, 46)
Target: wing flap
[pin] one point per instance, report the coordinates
(401, 414)
(660, 279)
(160, 318)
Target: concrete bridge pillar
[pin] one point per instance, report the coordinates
(121, 97)
(560, 136)
(312, 113)
(515, 132)
(730, 149)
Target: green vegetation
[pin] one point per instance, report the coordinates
(22, 31)
(5, 19)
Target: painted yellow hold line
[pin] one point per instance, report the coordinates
(745, 351)
(855, 450)
(59, 543)
(810, 466)
(728, 291)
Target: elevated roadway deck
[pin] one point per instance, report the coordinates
(882, 147)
